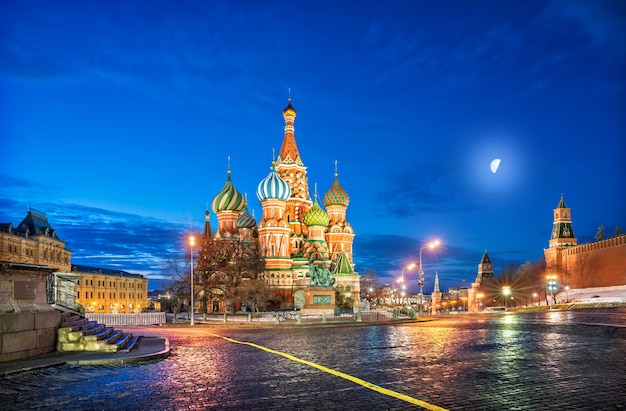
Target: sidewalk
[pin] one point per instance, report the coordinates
(147, 349)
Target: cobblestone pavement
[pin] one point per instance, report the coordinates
(544, 361)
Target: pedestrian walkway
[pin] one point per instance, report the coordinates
(148, 348)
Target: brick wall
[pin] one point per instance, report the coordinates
(597, 264)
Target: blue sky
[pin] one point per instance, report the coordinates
(117, 119)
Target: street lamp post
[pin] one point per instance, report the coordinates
(552, 287)
(192, 243)
(420, 280)
(506, 291)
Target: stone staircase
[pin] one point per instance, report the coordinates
(76, 333)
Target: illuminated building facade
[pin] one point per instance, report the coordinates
(34, 241)
(294, 232)
(101, 290)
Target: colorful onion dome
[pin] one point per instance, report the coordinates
(273, 186)
(336, 194)
(245, 220)
(316, 216)
(229, 199)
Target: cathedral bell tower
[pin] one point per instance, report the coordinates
(292, 170)
(273, 227)
(340, 234)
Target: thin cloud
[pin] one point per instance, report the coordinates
(432, 188)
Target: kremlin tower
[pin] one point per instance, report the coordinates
(484, 288)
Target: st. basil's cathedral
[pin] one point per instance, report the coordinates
(295, 234)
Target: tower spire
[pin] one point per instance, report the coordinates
(562, 230)
(289, 153)
(208, 231)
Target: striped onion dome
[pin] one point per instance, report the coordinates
(316, 216)
(245, 220)
(273, 186)
(336, 194)
(229, 199)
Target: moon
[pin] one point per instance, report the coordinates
(494, 165)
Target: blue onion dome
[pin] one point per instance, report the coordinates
(316, 216)
(245, 220)
(229, 199)
(336, 194)
(289, 110)
(273, 186)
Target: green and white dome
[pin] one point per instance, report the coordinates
(228, 199)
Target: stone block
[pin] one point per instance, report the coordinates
(12, 356)
(41, 350)
(16, 322)
(6, 287)
(46, 337)
(19, 341)
(47, 319)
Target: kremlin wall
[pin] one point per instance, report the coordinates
(598, 264)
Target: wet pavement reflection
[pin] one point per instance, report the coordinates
(545, 361)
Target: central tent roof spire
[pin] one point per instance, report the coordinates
(289, 150)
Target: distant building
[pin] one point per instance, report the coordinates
(455, 299)
(597, 264)
(101, 290)
(35, 242)
(485, 289)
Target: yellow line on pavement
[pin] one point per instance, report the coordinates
(348, 377)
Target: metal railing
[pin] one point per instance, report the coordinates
(128, 319)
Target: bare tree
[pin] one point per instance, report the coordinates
(529, 280)
(224, 264)
(213, 258)
(177, 288)
(246, 264)
(256, 292)
(618, 230)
